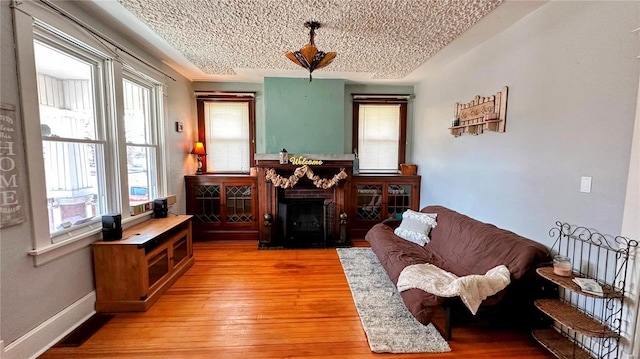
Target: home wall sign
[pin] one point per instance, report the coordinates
(11, 210)
(480, 114)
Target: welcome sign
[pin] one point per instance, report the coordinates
(11, 210)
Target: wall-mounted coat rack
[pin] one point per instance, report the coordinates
(481, 114)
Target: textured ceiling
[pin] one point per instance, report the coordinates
(386, 38)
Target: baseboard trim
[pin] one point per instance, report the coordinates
(45, 335)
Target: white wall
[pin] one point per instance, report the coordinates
(631, 229)
(33, 298)
(572, 74)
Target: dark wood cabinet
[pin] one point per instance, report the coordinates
(224, 207)
(375, 198)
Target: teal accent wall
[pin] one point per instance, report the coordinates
(325, 124)
(303, 116)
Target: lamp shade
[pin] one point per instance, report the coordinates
(198, 149)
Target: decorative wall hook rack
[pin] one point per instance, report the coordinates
(480, 114)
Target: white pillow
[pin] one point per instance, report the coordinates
(415, 226)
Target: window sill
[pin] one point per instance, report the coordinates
(379, 172)
(54, 251)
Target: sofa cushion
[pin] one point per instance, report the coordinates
(415, 226)
(396, 253)
(468, 246)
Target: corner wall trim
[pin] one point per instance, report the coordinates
(45, 335)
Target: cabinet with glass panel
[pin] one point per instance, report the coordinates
(223, 206)
(379, 197)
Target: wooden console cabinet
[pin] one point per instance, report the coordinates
(132, 273)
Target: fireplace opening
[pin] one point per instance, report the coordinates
(303, 222)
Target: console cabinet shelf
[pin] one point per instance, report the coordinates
(586, 325)
(223, 206)
(132, 273)
(379, 197)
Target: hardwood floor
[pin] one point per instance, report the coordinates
(240, 302)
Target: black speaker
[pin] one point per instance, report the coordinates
(160, 208)
(111, 227)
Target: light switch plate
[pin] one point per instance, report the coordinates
(585, 184)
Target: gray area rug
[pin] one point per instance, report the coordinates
(389, 325)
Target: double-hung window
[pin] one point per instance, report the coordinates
(226, 125)
(70, 96)
(142, 102)
(379, 132)
(94, 128)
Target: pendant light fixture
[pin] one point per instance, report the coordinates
(309, 56)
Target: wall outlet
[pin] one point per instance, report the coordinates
(585, 184)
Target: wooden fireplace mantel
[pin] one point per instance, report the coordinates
(272, 160)
(268, 194)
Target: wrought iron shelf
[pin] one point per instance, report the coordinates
(586, 325)
(574, 319)
(568, 283)
(559, 345)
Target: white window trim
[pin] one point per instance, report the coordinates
(75, 243)
(157, 127)
(25, 15)
(104, 138)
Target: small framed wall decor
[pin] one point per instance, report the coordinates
(179, 127)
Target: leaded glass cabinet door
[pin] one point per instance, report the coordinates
(239, 204)
(369, 199)
(207, 203)
(398, 200)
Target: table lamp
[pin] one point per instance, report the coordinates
(198, 149)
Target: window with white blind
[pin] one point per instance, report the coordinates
(379, 135)
(227, 128)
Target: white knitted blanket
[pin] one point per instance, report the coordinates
(472, 289)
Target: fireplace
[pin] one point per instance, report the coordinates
(303, 223)
(307, 211)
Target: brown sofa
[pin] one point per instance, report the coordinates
(463, 246)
